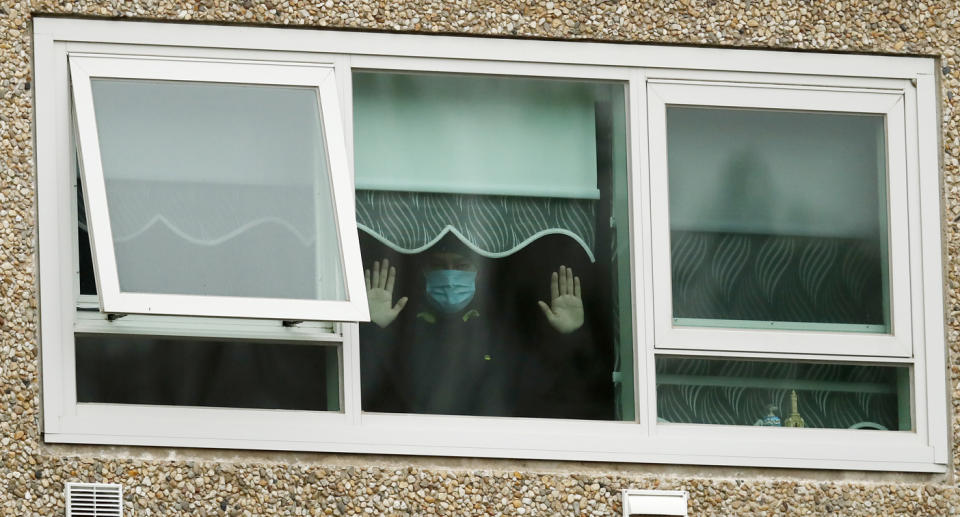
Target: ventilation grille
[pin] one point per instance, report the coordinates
(94, 500)
(654, 503)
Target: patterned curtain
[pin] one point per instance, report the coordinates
(705, 391)
(738, 276)
(493, 226)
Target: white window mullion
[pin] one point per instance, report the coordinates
(923, 112)
(350, 351)
(640, 231)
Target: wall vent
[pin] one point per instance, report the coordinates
(659, 503)
(94, 500)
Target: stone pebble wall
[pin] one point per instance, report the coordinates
(32, 474)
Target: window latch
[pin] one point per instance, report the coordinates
(291, 323)
(114, 316)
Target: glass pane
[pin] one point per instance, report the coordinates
(826, 395)
(213, 373)
(473, 243)
(218, 189)
(88, 284)
(778, 219)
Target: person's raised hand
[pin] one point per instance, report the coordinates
(380, 293)
(565, 312)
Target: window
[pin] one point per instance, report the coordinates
(783, 394)
(780, 218)
(211, 188)
(309, 240)
(780, 238)
(487, 207)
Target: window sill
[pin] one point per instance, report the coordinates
(536, 439)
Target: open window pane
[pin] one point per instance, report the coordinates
(783, 394)
(216, 189)
(128, 369)
(477, 189)
(778, 219)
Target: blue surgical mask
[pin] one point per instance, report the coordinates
(451, 290)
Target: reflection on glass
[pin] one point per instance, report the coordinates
(211, 373)
(497, 284)
(782, 394)
(778, 219)
(218, 189)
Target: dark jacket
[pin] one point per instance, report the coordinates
(476, 362)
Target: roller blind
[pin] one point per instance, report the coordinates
(465, 134)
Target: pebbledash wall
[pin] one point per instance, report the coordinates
(160, 481)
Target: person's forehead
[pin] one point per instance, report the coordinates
(448, 256)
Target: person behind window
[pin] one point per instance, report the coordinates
(461, 348)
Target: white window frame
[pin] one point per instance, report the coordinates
(85, 67)
(818, 339)
(924, 449)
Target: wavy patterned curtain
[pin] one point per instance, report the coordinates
(739, 276)
(493, 226)
(759, 277)
(703, 391)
